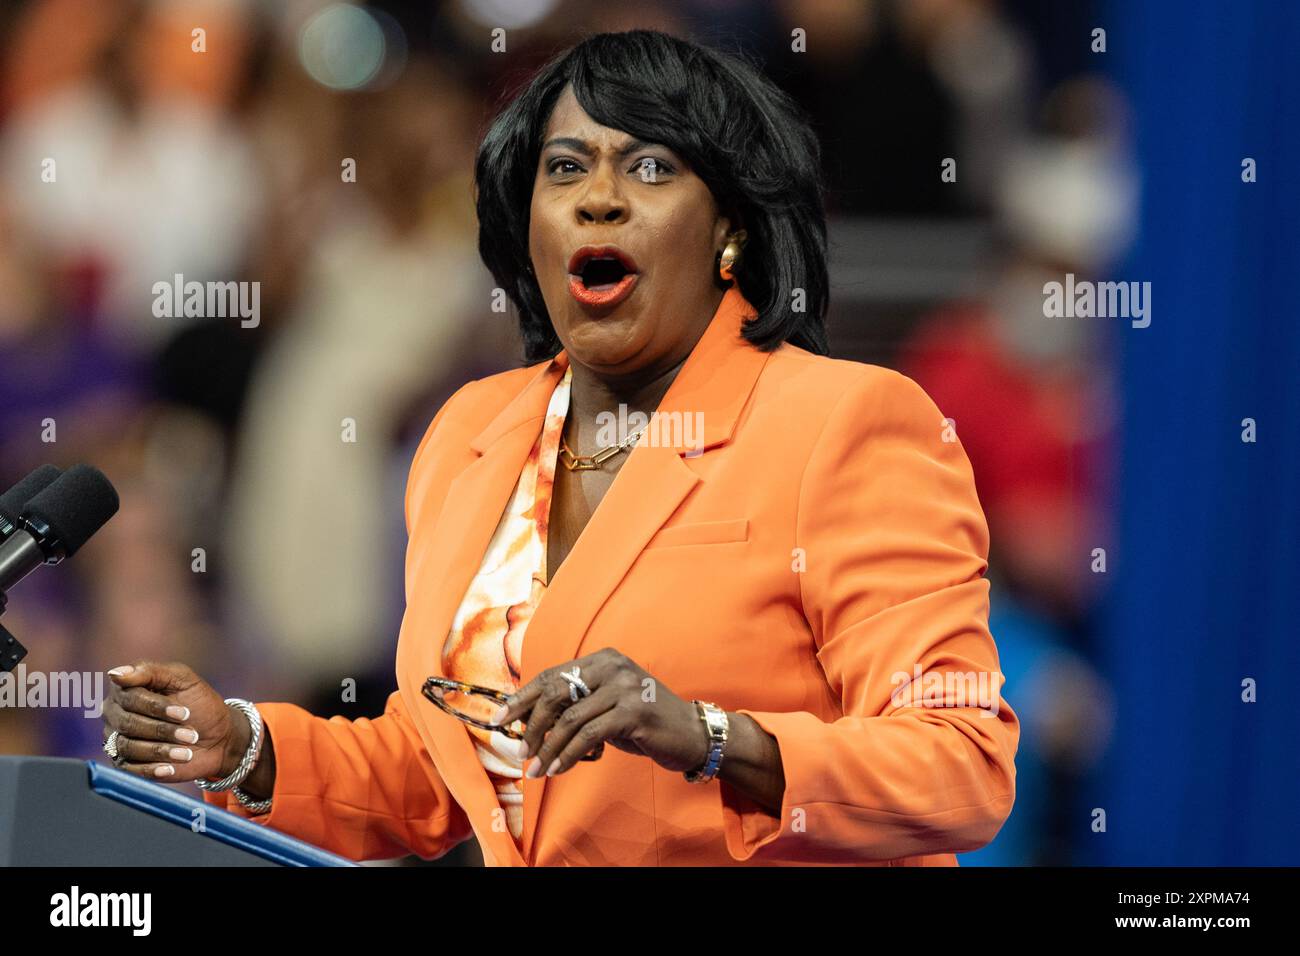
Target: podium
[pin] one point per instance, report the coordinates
(61, 812)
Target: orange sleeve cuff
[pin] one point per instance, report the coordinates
(278, 720)
(749, 828)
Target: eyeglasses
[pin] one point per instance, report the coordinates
(477, 705)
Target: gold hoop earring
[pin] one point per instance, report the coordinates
(731, 255)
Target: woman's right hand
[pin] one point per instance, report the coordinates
(172, 726)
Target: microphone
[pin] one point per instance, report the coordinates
(57, 522)
(53, 526)
(13, 501)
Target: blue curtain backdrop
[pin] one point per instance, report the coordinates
(1204, 571)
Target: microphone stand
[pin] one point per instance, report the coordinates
(11, 651)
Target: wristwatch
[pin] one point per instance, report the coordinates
(715, 722)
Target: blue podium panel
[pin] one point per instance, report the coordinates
(57, 812)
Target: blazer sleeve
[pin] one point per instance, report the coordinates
(895, 545)
(365, 789)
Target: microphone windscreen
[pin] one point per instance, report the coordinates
(13, 501)
(75, 506)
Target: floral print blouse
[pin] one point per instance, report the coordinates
(486, 641)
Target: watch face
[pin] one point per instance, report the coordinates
(715, 719)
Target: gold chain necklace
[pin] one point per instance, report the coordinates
(592, 462)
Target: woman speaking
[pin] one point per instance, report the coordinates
(684, 590)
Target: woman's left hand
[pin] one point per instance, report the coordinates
(627, 708)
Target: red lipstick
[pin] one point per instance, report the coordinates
(601, 276)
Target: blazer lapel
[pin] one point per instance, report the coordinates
(466, 522)
(716, 382)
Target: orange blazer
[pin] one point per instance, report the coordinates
(816, 554)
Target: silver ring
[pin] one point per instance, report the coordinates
(110, 746)
(576, 685)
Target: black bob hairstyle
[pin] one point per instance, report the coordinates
(741, 134)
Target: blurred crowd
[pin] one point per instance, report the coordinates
(263, 547)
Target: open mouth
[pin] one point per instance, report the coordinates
(601, 275)
(601, 267)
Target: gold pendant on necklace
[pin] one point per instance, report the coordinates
(593, 462)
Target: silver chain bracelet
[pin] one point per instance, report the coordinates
(251, 805)
(240, 773)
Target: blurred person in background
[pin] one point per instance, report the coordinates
(1032, 400)
(1028, 391)
(122, 162)
(927, 80)
(386, 288)
(132, 164)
